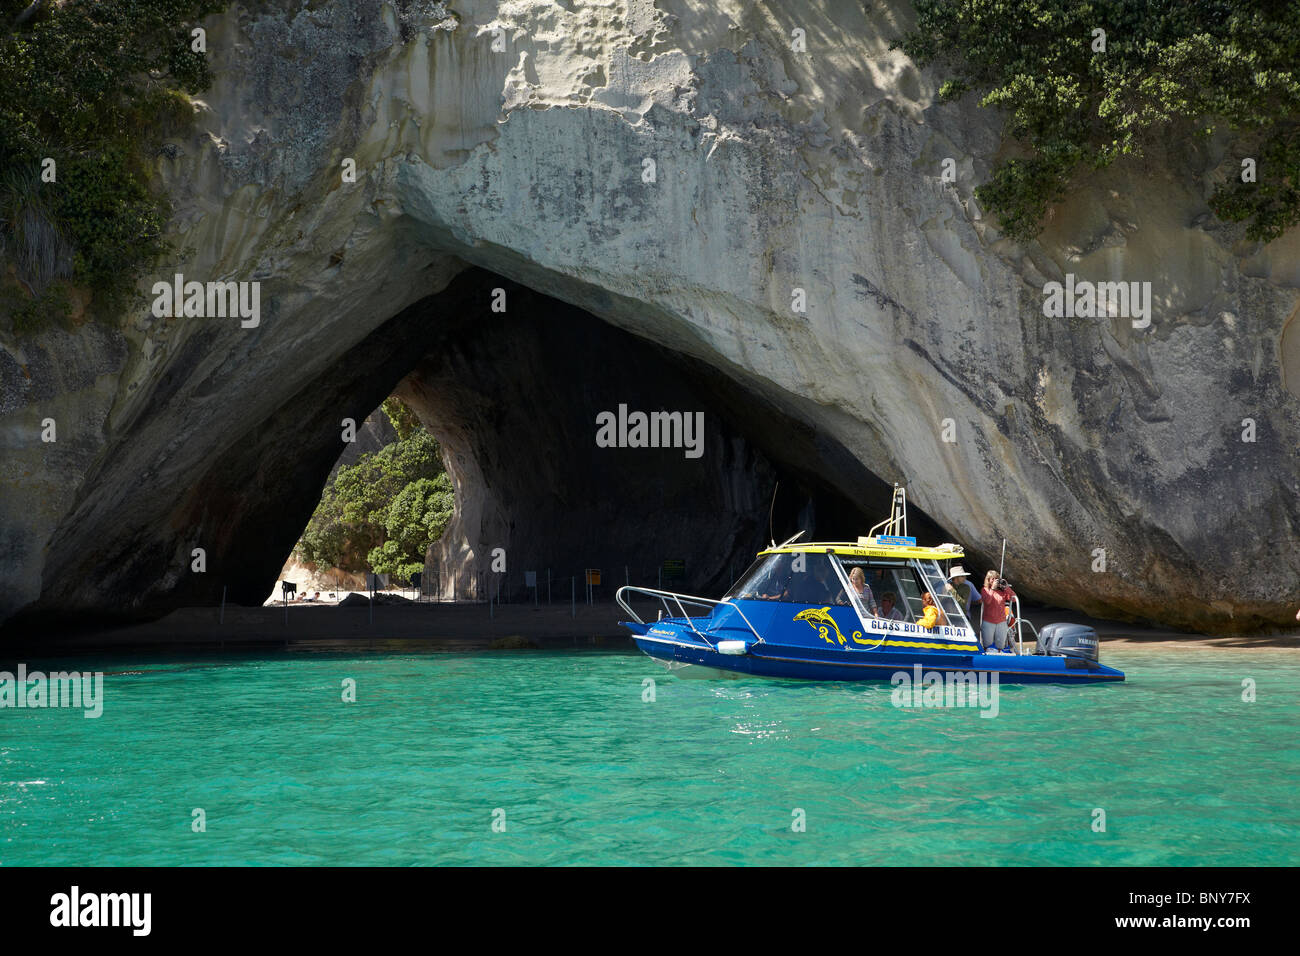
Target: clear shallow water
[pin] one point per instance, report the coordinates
(709, 773)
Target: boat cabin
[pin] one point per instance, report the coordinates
(818, 575)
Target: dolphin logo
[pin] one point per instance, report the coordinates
(818, 619)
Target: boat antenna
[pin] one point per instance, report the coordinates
(1002, 563)
(771, 512)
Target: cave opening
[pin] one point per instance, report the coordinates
(514, 385)
(513, 398)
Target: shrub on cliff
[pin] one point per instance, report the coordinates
(94, 86)
(416, 518)
(1077, 99)
(382, 513)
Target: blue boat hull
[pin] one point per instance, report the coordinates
(673, 641)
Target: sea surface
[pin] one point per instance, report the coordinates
(572, 757)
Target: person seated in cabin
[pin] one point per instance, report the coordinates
(932, 615)
(887, 609)
(863, 591)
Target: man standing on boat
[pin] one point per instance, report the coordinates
(964, 591)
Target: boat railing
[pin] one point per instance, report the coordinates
(682, 601)
(1021, 622)
(896, 523)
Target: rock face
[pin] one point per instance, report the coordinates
(681, 171)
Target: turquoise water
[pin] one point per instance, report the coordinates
(710, 772)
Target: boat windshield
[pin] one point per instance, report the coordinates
(801, 578)
(937, 584)
(892, 588)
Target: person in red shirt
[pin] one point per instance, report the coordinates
(995, 603)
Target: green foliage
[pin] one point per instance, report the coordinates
(30, 314)
(382, 513)
(416, 518)
(403, 420)
(30, 241)
(1271, 204)
(94, 85)
(1180, 67)
(419, 514)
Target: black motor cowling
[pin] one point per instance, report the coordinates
(1068, 640)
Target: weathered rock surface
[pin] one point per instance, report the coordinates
(518, 136)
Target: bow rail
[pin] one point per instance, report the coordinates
(682, 601)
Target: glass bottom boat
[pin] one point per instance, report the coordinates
(796, 613)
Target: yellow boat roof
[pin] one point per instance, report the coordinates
(944, 552)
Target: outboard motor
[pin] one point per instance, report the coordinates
(1068, 640)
